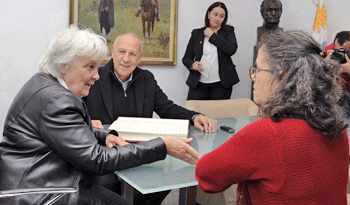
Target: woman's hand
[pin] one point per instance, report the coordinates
(97, 123)
(112, 140)
(179, 148)
(208, 32)
(198, 66)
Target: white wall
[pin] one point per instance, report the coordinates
(26, 27)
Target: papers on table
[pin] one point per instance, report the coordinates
(144, 129)
(206, 66)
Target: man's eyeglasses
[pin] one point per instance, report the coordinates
(252, 71)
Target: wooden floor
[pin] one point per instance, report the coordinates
(172, 198)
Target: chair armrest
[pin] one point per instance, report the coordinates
(46, 190)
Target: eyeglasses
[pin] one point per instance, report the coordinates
(252, 71)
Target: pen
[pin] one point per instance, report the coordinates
(227, 129)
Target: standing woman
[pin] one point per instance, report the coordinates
(217, 43)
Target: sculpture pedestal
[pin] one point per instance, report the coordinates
(255, 54)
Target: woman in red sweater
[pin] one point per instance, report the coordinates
(298, 152)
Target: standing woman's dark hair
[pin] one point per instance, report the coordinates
(216, 4)
(309, 84)
(208, 57)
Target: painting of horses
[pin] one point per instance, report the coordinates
(153, 21)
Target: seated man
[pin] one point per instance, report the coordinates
(342, 40)
(127, 90)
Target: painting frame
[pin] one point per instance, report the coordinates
(162, 49)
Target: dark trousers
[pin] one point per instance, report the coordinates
(209, 91)
(111, 182)
(111, 198)
(104, 22)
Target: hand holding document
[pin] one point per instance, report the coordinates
(206, 66)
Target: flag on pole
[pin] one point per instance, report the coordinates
(320, 25)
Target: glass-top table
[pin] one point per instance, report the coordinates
(172, 173)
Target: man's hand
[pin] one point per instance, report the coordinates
(204, 123)
(345, 67)
(112, 140)
(329, 54)
(97, 123)
(179, 148)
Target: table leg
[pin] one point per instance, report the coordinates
(127, 191)
(188, 195)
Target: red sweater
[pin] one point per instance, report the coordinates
(284, 163)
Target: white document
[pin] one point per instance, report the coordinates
(143, 129)
(206, 67)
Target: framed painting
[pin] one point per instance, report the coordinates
(153, 21)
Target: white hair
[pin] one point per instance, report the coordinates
(69, 44)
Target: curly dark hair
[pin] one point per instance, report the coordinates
(309, 84)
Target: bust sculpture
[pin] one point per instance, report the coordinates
(271, 11)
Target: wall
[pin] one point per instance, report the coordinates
(27, 27)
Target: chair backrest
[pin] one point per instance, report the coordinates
(59, 191)
(223, 108)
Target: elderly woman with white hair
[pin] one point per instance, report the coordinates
(48, 137)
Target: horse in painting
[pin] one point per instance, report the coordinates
(148, 16)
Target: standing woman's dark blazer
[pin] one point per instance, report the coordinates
(225, 41)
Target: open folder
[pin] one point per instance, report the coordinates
(137, 129)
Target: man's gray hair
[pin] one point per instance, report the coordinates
(131, 34)
(69, 44)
